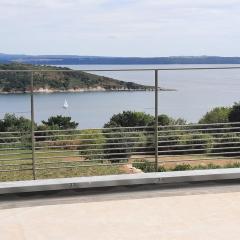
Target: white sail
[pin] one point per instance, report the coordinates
(65, 105)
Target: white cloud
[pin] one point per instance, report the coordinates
(121, 27)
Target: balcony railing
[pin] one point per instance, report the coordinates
(75, 152)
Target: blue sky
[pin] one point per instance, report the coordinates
(121, 27)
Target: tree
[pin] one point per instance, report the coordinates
(11, 123)
(129, 119)
(119, 143)
(234, 114)
(217, 115)
(165, 120)
(61, 122)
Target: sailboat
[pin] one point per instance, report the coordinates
(65, 105)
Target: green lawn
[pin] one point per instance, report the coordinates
(70, 166)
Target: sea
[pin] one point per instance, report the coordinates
(196, 92)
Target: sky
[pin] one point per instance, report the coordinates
(140, 28)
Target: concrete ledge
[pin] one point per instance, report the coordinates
(119, 180)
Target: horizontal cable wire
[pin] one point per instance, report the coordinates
(192, 150)
(196, 134)
(88, 139)
(95, 149)
(201, 159)
(97, 144)
(91, 155)
(199, 139)
(77, 166)
(17, 170)
(90, 134)
(198, 144)
(200, 154)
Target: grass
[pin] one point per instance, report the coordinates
(147, 166)
(61, 173)
(67, 164)
(72, 166)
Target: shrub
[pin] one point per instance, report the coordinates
(234, 114)
(129, 119)
(216, 115)
(94, 144)
(61, 122)
(145, 166)
(182, 167)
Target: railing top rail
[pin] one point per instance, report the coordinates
(129, 128)
(124, 69)
(145, 127)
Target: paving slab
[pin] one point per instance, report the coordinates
(188, 217)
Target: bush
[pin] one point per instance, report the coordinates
(165, 120)
(60, 122)
(230, 143)
(216, 115)
(12, 123)
(145, 166)
(95, 142)
(129, 119)
(234, 114)
(196, 143)
(182, 167)
(119, 144)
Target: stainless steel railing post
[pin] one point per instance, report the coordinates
(156, 121)
(33, 129)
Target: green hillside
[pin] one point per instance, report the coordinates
(59, 81)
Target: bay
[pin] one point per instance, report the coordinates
(196, 93)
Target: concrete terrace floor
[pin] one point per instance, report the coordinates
(190, 211)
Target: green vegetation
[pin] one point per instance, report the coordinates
(216, 115)
(234, 115)
(58, 81)
(133, 119)
(60, 122)
(11, 123)
(147, 166)
(74, 170)
(222, 115)
(130, 119)
(62, 150)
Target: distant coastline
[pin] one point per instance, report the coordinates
(80, 90)
(58, 79)
(101, 60)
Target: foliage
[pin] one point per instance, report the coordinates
(93, 147)
(228, 144)
(234, 115)
(120, 144)
(182, 167)
(129, 119)
(165, 120)
(61, 81)
(196, 143)
(11, 123)
(60, 122)
(216, 115)
(147, 166)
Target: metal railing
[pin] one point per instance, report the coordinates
(65, 149)
(38, 151)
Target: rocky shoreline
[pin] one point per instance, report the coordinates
(79, 90)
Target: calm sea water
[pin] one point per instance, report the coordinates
(197, 92)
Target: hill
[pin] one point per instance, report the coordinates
(74, 59)
(60, 81)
